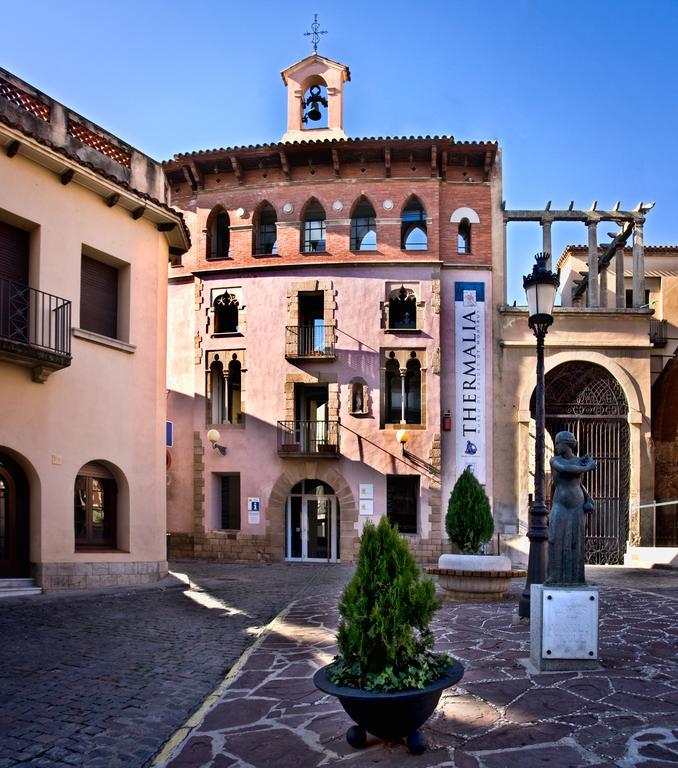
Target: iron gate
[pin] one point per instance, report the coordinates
(588, 401)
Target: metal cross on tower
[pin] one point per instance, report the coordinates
(315, 34)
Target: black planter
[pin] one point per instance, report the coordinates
(390, 716)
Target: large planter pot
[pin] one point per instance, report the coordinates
(475, 577)
(390, 716)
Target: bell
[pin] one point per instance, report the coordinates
(314, 113)
(315, 98)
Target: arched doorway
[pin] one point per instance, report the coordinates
(14, 520)
(312, 523)
(588, 401)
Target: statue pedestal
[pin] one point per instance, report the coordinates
(563, 628)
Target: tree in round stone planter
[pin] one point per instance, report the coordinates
(386, 675)
(469, 525)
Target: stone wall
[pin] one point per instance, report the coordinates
(55, 576)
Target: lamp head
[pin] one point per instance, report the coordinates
(402, 436)
(213, 436)
(541, 287)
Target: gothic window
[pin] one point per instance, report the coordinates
(265, 233)
(363, 227)
(226, 313)
(403, 390)
(413, 235)
(224, 390)
(95, 507)
(234, 391)
(218, 234)
(314, 229)
(402, 309)
(217, 392)
(464, 236)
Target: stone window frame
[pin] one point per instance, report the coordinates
(329, 303)
(215, 292)
(401, 356)
(333, 400)
(225, 356)
(393, 286)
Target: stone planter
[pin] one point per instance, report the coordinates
(475, 577)
(390, 716)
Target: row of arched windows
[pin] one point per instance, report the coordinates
(363, 234)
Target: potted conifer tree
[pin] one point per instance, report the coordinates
(469, 525)
(386, 676)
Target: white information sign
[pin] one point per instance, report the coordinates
(253, 518)
(366, 507)
(469, 370)
(366, 491)
(253, 509)
(570, 624)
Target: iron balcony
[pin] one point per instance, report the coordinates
(319, 439)
(35, 328)
(310, 342)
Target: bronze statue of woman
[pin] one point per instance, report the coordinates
(571, 504)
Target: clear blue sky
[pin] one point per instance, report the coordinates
(581, 95)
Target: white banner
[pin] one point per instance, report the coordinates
(469, 370)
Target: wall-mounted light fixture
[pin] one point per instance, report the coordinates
(402, 436)
(213, 436)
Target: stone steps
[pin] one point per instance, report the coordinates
(18, 588)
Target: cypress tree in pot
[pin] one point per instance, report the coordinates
(386, 676)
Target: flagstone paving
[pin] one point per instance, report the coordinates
(624, 715)
(103, 678)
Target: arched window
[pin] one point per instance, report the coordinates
(402, 309)
(413, 235)
(95, 507)
(217, 392)
(234, 391)
(413, 391)
(464, 236)
(363, 226)
(393, 392)
(226, 313)
(313, 234)
(265, 232)
(218, 234)
(403, 389)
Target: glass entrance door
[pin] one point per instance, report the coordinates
(311, 524)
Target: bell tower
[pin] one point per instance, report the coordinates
(314, 99)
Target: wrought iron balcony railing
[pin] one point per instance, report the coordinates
(35, 327)
(310, 341)
(308, 438)
(658, 332)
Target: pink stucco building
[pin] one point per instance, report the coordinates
(85, 237)
(335, 294)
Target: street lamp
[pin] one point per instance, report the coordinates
(541, 287)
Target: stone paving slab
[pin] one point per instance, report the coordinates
(102, 679)
(498, 716)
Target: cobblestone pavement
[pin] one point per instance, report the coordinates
(498, 716)
(103, 679)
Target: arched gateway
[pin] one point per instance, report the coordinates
(588, 401)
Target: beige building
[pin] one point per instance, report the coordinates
(85, 237)
(608, 356)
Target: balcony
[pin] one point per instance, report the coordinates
(658, 332)
(309, 342)
(35, 329)
(317, 439)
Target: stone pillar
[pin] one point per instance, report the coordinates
(546, 240)
(603, 287)
(593, 293)
(620, 298)
(638, 264)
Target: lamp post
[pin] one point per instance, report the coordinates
(541, 287)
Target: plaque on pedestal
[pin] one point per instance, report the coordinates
(563, 627)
